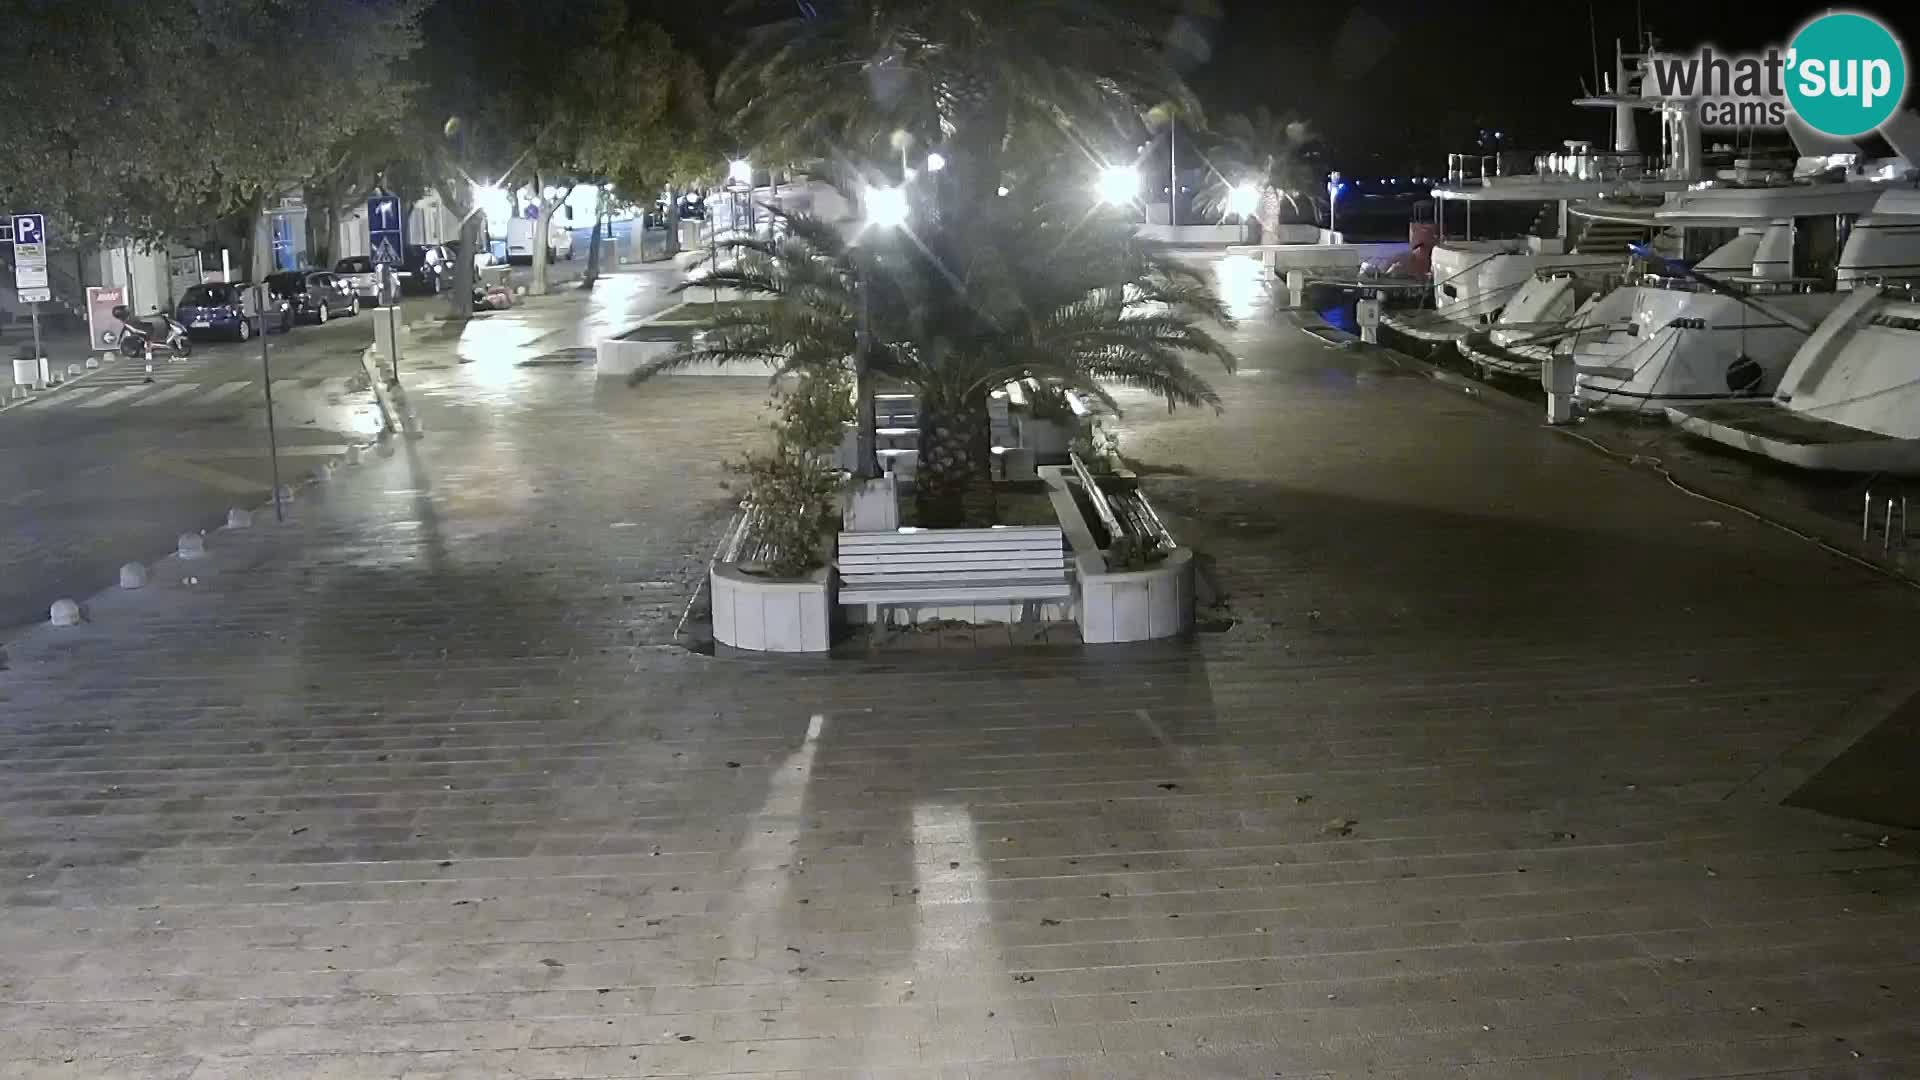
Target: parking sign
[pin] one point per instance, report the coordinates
(30, 258)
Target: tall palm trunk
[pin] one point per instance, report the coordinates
(953, 482)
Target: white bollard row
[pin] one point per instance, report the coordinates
(191, 545)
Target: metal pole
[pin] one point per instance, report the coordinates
(713, 256)
(864, 435)
(39, 357)
(266, 386)
(393, 337)
(1173, 171)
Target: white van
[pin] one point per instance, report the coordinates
(520, 238)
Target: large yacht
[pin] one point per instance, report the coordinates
(1527, 205)
(1761, 267)
(1850, 400)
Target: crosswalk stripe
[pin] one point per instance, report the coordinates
(117, 395)
(177, 390)
(226, 390)
(288, 386)
(64, 397)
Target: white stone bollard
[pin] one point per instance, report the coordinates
(92, 362)
(133, 576)
(286, 494)
(353, 455)
(239, 519)
(1557, 378)
(192, 545)
(323, 472)
(1367, 314)
(73, 371)
(17, 393)
(64, 613)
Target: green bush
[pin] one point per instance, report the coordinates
(792, 489)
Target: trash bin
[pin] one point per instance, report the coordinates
(30, 371)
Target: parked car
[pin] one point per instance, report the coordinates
(313, 294)
(428, 269)
(218, 309)
(482, 258)
(358, 273)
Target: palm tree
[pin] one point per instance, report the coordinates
(990, 292)
(1270, 151)
(962, 75)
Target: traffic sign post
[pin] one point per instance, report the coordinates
(385, 240)
(386, 245)
(30, 274)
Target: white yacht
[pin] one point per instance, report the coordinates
(1529, 226)
(1781, 260)
(1850, 400)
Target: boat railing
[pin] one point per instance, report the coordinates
(1570, 166)
(1746, 285)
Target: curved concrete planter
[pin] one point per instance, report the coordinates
(772, 614)
(1136, 605)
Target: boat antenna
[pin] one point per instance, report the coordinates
(1593, 41)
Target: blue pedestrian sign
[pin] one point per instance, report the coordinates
(29, 228)
(385, 242)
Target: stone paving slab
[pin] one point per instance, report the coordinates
(420, 785)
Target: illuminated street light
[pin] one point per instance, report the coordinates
(886, 207)
(1243, 200)
(740, 171)
(1117, 184)
(936, 162)
(1003, 190)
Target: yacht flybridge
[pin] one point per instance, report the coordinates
(1527, 207)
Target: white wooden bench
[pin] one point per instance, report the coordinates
(937, 567)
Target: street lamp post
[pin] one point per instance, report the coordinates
(1333, 202)
(885, 209)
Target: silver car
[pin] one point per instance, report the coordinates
(361, 277)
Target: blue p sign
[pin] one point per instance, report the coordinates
(29, 229)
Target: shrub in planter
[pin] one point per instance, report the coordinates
(793, 487)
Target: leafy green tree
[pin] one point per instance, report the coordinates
(107, 126)
(547, 96)
(990, 291)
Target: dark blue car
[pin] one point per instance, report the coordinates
(217, 310)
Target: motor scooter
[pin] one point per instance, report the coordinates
(161, 334)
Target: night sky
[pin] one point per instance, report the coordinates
(1394, 85)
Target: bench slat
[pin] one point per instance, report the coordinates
(940, 537)
(959, 558)
(952, 594)
(960, 575)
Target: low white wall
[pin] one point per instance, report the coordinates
(1195, 234)
(1136, 605)
(771, 615)
(618, 358)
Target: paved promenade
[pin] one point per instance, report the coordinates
(1484, 781)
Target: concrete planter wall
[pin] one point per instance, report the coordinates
(1194, 234)
(1135, 605)
(772, 614)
